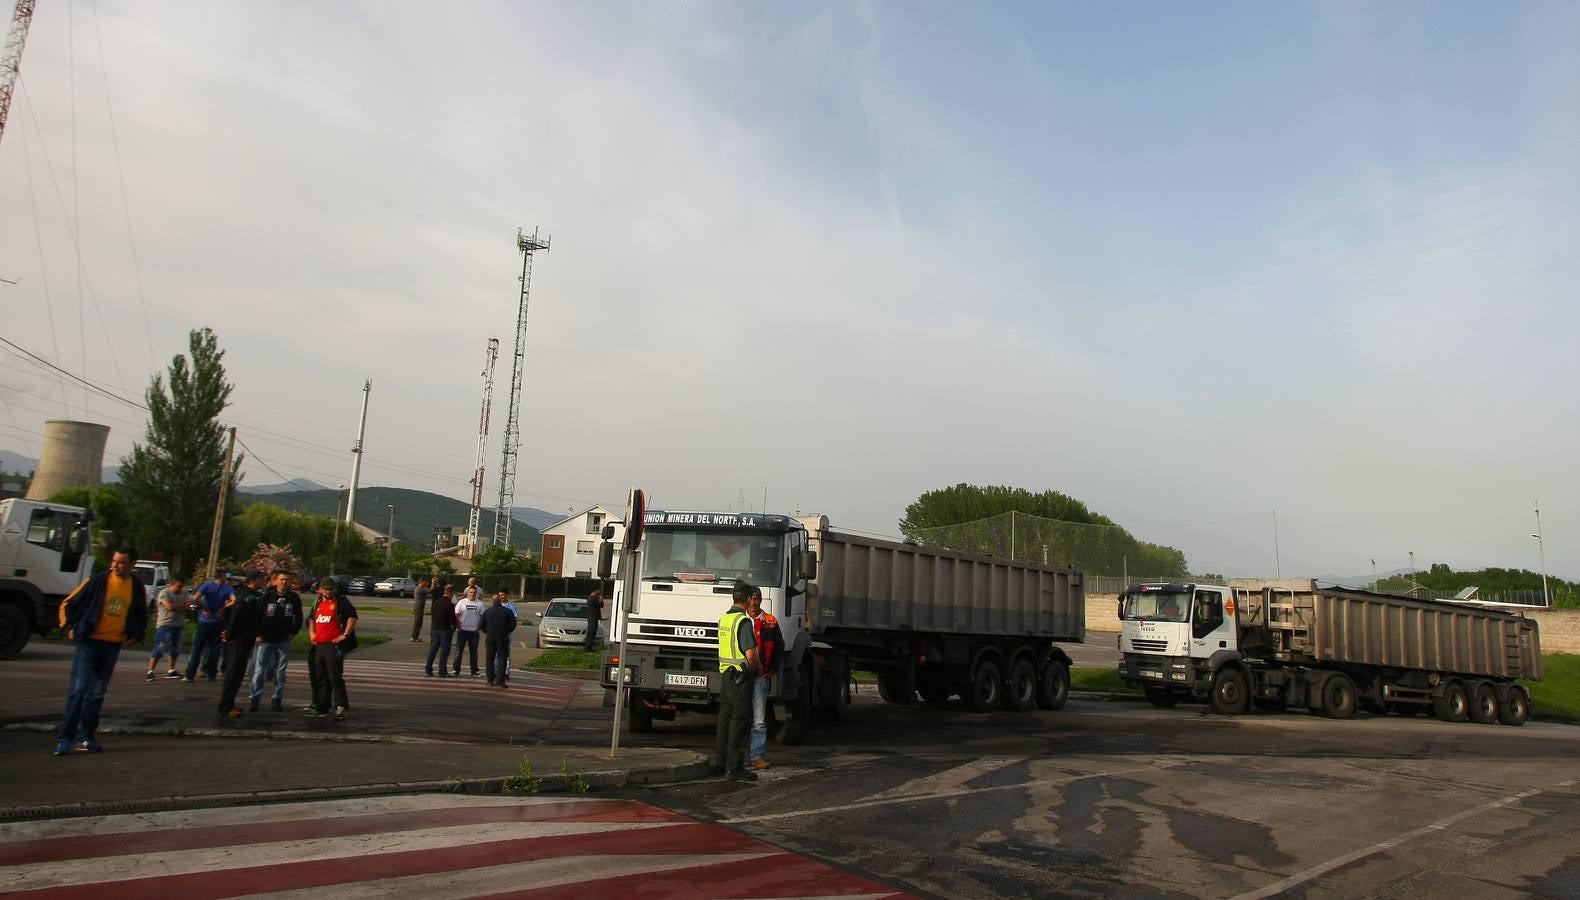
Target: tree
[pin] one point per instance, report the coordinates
(498, 560)
(171, 481)
(271, 558)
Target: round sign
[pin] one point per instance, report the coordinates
(635, 509)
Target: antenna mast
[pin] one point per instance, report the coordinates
(526, 244)
(11, 56)
(476, 517)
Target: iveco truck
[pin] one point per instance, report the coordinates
(44, 555)
(928, 622)
(1328, 649)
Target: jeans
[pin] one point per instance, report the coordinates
(269, 662)
(438, 648)
(167, 642)
(92, 664)
(759, 741)
(206, 637)
(463, 640)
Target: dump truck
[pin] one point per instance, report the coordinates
(1332, 650)
(929, 622)
(44, 555)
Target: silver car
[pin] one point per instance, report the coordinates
(564, 623)
(399, 586)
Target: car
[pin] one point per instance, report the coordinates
(398, 585)
(564, 623)
(361, 584)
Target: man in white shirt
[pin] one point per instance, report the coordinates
(468, 615)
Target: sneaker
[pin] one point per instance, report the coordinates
(340, 712)
(742, 775)
(314, 712)
(474, 674)
(309, 708)
(427, 674)
(416, 640)
(150, 675)
(91, 745)
(761, 764)
(276, 705)
(234, 713)
(173, 674)
(186, 679)
(253, 706)
(444, 674)
(63, 748)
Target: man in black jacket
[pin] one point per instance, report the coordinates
(104, 613)
(243, 624)
(282, 619)
(497, 622)
(442, 608)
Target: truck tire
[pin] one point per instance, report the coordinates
(891, 687)
(1515, 708)
(798, 713)
(1483, 703)
(1162, 698)
(640, 720)
(1453, 706)
(1020, 691)
(987, 687)
(1053, 685)
(1338, 697)
(14, 631)
(1230, 694)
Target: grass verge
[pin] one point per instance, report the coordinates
(566, 658)
(1558, 693)
(1100, 680)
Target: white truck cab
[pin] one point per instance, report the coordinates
(1170, 634)
(44, 555)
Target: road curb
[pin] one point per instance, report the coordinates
(272, 735)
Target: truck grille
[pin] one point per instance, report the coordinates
(1140, 645)
(676, 633)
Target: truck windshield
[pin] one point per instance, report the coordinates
(712, 556)
(1157, 606)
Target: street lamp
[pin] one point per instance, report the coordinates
(1374, 575)
(389, 537)
(1546, 599)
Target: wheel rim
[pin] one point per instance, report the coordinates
(1458, 704)
(1229, 692)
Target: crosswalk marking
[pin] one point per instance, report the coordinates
(547, 690)
(446, 845)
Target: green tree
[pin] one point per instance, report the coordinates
(503, 561)
(171, 481)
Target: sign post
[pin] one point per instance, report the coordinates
(630, 583)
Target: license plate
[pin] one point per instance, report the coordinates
(1146, 674)
(674, 680)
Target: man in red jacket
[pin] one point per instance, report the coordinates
(770, 645)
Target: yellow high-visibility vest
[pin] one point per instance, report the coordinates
(731, 656)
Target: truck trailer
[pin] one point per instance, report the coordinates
(1332, 650)
(928, 622)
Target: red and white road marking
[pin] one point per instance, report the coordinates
(428, 846)
(529, 688)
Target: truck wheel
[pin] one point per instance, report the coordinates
(1453, 706)
(640, 721)
(987, 687)
(1338, 697)
(1229, 694)
(14, 632)
(1162, 698)
(1515, 708)
(891, 688)
(797, 713)
(1020, 691)
(1483, 704)
(1053, 685)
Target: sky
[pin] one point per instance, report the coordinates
(1191, 264)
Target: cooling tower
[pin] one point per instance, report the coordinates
(73, 457)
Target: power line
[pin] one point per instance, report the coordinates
(85, 383)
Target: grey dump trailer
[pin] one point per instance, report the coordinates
(935, 623)
(1330, 649)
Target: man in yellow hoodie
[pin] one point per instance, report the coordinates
(103, 614)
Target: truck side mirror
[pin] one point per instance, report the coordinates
(608, 532)
(605, 560)
(806, 563)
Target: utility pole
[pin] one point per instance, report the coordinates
(389, 537)
(356, 453)
(1547, 599)
(1278, 564)
(334, 549)
(219, 508)
(1374, 575)
(527, 245)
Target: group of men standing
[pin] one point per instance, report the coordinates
(242, 632)
(468, 621)
(750, 649)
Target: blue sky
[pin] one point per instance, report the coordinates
(1188, 263)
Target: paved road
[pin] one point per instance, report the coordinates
(416, 846)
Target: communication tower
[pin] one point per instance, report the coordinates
(11, 56)
(527, 245)
(476, 517)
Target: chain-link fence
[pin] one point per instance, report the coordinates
(1028, 538)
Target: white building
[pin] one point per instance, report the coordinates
(570, 546)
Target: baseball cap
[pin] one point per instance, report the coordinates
(253, 573)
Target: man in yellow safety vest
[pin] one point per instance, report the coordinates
(738, 668)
